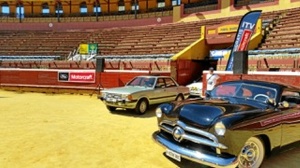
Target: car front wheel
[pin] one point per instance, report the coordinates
(252, 154)
(142, 106)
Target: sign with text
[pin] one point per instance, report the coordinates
(76, 76)
(217, 54)
(228, 28)
(243, 36)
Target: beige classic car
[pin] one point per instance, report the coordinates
(143, 91)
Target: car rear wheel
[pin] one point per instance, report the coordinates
(252, 154)
(141, 106)
(110, 108)
(179, 97)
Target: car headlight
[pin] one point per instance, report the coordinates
(158, 112)
(103, 94)
(124, 96)
(220, 128)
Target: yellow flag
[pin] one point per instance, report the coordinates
(83, 49)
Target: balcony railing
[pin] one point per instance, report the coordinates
(205, 5)
(239, 3)
(89, 17)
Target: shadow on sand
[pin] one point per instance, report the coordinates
(131, 113)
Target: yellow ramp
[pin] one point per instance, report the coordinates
(199, 49)
(196, 51)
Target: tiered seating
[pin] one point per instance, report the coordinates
(286, 33)
(144, 40)
(43, 43)
(270, 18)
(160, 39)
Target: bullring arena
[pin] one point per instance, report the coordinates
(56, 57)
(63, 130)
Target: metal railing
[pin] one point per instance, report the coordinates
(239, 3)
(89, 17)
(205, 5)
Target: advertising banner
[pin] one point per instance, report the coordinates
(83, 49)
(91, 48)
(243, 35)
(217, 54)
(76, 76)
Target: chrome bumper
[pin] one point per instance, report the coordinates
(120, 104)
(196, 156)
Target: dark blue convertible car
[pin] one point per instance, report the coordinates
(238, 124)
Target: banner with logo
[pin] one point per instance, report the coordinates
(91, 48)
(217, 54)
(76, 76)
(243, 35)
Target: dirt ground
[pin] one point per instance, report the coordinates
(63, 130)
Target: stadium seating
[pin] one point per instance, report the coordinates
(40, 43)
(143, 40)
(285, 33)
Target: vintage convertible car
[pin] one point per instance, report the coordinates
(238, 124)
(143, 91)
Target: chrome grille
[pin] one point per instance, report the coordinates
(113, 95)
(182, 131)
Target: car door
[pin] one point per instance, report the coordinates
(291, 119)
(171, 89)
(160, 91)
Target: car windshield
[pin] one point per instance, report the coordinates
(243, 90)
(142, 82)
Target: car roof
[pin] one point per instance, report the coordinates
(154, 76)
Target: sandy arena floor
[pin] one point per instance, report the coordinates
(62, 131)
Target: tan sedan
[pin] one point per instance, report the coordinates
(143, 91)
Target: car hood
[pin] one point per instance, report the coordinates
(126, 89)
(205, 113)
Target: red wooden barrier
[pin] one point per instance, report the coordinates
(288, 78)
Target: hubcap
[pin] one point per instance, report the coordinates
(249, 155)
(143, 106)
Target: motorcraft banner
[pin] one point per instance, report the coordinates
(243, 35)
(76, 76)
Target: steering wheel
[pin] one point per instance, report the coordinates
(261, 96)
